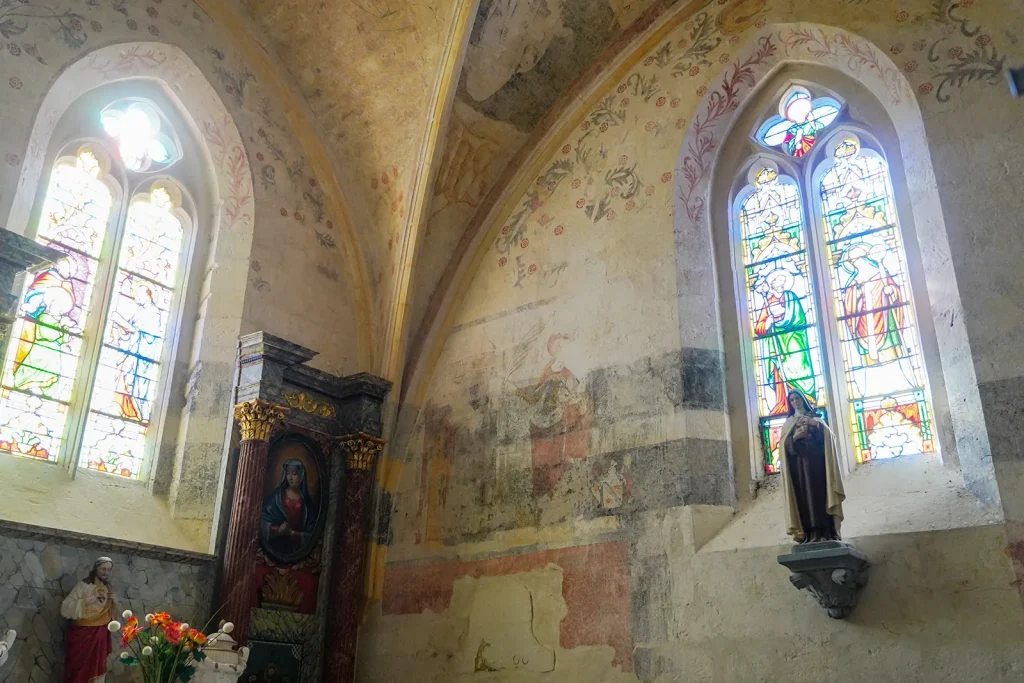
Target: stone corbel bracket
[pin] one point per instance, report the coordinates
(834, 572)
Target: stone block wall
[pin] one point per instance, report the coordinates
(38, 568)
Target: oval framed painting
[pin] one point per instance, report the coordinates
(294, 498)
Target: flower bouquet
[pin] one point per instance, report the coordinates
(165, 650)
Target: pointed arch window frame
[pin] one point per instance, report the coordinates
(807, 171)
(127, 186)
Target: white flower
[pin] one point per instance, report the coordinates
(228, 627)
(147, 651)
(125, 655)
(113, 627)
(184, 627)
(149, 618)
(126, 615)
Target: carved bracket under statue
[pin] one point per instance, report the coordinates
(834, 572)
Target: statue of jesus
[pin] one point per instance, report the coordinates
(90, 606)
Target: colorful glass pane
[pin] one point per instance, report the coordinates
(780, 300)
(137, 319)
(800, 119)
(43, 357)
(135, 125)
(885, 379)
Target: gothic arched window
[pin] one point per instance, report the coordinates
(828, 296)
(87, 360)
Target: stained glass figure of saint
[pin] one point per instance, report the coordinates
(780, 301)
(800, 119)
(881, 353)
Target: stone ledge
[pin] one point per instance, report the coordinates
(74, 538)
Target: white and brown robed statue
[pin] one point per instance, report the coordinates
(812, 479)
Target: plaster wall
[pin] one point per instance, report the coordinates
(577, 420)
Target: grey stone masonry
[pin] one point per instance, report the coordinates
(39, 567)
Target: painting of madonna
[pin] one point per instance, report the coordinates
(291, 512)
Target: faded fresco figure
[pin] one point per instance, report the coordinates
(560, 421)
(90, 606)
(812, 480)
(289, 513)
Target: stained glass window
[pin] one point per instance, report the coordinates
(800, 119)
(129, 365)
(885, 378)
(43, 358)
(81, 378)
(780, 300)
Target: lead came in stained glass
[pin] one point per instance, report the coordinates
(800, 119)
(780, 299)
(885, 379)
(137, 321)
(43, 358)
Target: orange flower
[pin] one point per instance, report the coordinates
(172, 632)
(161, 619)
(196, 637)
(131, 631)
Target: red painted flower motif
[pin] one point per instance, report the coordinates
(330, 225)
(550, 186)
(694, 71)
(505, 229)
(575, 183)
(616, 190)
(13, 159)
(284, 211)
(674, 103)
(384, 178)
(623, 160)
(902, 16)
(532, 269)
(925, 88)
(255, 266)
(896, 49)
(920, 44)
(297, 216)
(680, 123)
(312, 182)
(910, 66)
(585, 125)
(966, 3)
(131, 24)
(151, 11)
(955, 52)
(612, 215)
(702, 91)
(13, 49)
(622, 88)
(661, 101)
(735, 40)
(603, 128)
(666, 176)
(502, 261)
(566, 149)
(651, 125)
(559, 229)
(624, 102)
(580, 203)
(983, 40)
(760, 23)
(14, 82)
(649, 190)
(724, 59)
(649, 61)
(525, 243)
(76, 24)
(682, 44)
(259, 155)
(723, 2)
(262, 133)
(630, 205)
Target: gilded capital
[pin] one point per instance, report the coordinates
(256, 419)
(361, 450)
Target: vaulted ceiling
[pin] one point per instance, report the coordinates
(376, 74)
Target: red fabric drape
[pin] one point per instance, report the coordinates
(86, 651)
